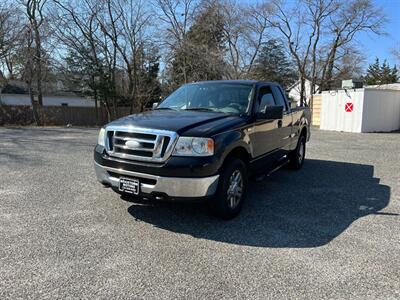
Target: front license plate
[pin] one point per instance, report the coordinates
(128, 185)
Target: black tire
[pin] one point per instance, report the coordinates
(222, 203)
(297, 156)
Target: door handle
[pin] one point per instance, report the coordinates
(279, 123)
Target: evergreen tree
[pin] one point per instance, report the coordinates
(274, 65)
(82, 75)
(149, 87)
(381, 74)
(200, 57)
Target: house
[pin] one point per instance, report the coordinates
(24, 99)
(16, 93)
(294, 91)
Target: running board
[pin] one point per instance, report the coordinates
(262, 176)
(286, 161)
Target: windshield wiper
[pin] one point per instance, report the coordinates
(200, 109)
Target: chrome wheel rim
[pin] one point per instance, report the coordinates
(235, 189)
(301, 152)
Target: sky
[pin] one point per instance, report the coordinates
(378, 46)
(381, 46)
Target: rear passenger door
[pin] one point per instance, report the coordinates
(286, 124)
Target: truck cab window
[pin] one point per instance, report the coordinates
(265, 98)
(279, 97)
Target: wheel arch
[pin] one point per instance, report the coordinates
(239, 152)
(304, 131)
(304, 128)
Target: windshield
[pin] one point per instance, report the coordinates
(219, 97)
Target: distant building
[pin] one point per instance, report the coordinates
(16, 93)
(352, 84)
(294, 91)
(23, 99)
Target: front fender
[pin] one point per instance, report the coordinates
(228, 141)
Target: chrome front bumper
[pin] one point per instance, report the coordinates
(172, 186)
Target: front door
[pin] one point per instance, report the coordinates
(266, 139)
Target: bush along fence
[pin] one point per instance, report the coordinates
(57, 115)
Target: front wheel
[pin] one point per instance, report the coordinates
(297, 156)
(232, 189)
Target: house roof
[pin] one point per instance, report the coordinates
(298, 82)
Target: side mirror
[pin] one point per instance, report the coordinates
(271, 113)
(155, 104)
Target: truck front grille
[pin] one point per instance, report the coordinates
(140, 144)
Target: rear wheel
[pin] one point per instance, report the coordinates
(297, 156)
(232, 188)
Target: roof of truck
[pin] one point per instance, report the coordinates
(238, 81)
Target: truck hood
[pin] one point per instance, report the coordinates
(179, 121)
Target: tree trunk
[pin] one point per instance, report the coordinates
(312, 92)
(327, 73)
(130, 88)
(133, 100)
(135, 82)
(35, 112)
(114, 108)
(302, 90)
(107, 106)
(96, 107)
(132, 91)
(38, 54)
(310, 105)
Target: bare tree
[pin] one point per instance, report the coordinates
(20, 45)
(349, 63)
(322, 24)
(244, 31)
(177, 16)
(116, 44)
(78, 29)
(11, 30)
(301, 28)
(29, 73)
(35, 14)
(351, 18)
(126, 24)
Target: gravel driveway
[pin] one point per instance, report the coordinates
(330, 230)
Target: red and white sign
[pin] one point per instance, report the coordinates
(348, 107)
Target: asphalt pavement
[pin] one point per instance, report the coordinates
(328, 231)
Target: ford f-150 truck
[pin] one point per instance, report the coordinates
(203, 142)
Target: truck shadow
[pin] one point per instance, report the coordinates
(308, 208)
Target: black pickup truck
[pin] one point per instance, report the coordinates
(203, 142)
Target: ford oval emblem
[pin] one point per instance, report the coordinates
(132, 144)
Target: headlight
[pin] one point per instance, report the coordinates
(194, 146)
(102, 137)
